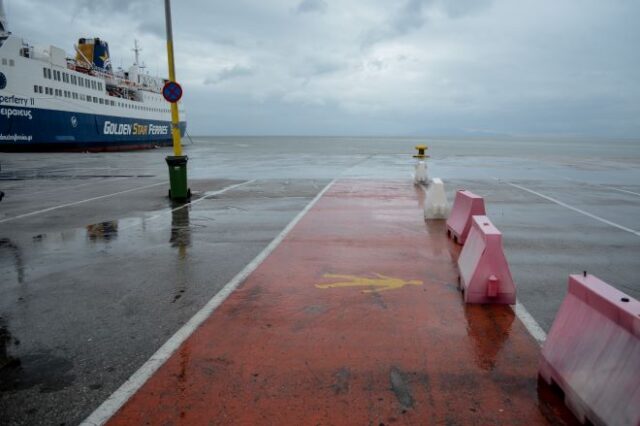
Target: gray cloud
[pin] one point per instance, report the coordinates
(311, 67)
(310, 6)
(532, 67)
(229, 73)
(404, 20)
(149, 14)
(461, 8)
(413, 16)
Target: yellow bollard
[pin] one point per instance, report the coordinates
(421, 151)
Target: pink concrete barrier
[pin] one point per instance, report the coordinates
(465, 205)
(484, 272)
(592, 353)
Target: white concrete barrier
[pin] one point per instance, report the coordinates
(436, 205)
(420, 174)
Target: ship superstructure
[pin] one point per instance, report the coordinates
(50, 101)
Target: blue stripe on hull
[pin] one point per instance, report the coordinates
(25, 129)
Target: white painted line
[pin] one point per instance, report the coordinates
(22, 216)
(66, 188)
(109, 407)
(530, 323)
(211, 194)
(575, 209)
(620, 190)
(595, 184)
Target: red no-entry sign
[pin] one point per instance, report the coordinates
(172, 92)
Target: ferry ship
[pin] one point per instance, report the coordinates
(50, 101)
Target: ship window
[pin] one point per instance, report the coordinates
(101, 101)
(4, 61)
(65, 77)
(95, 100)
(44, 72)
(11, 62)
(56, 75)
(88, 98)
(35, 89)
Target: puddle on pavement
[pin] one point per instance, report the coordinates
(43, 369)
(6, 245)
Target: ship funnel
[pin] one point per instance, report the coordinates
(4, 30)
(93, 53)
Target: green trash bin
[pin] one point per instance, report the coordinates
(178, 177)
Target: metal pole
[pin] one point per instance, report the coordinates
(178, 184)
(175, 117)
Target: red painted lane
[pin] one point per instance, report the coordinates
(280, 350)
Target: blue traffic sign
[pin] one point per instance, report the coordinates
(172, 92)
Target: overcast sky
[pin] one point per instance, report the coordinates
(376, 67)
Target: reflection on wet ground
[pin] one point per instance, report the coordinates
(7, 245)
(104, 231)
(42, 370)
(180, 226)
(489, 328)
(6, 341)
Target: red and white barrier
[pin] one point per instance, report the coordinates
(465, 205)
(593, 352)
(484, 273)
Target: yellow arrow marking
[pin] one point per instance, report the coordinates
(382, 283)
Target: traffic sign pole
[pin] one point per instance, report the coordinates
(177, 163)
(175, 116)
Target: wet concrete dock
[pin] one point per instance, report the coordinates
(99, 269)
(355, 318)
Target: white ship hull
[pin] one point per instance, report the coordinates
(46, 106)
